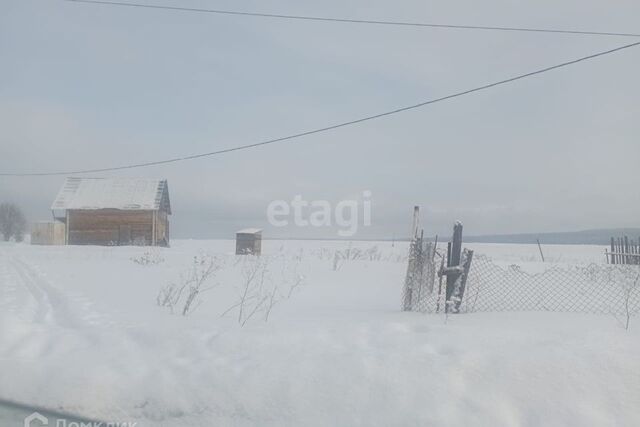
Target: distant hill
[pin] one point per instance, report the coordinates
(585, 237)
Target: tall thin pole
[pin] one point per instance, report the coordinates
(540, 249)
(415, 222)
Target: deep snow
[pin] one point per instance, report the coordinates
(80, 331)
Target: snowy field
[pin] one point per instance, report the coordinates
(320, 342)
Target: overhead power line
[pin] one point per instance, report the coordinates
(330, 127)
(356, 21)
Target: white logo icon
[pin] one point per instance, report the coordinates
(29, 421)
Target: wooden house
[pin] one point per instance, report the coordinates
(249, 241)
(114, 211)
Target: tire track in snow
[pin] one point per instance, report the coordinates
(52, 307)
(17, 298)
(7, 287)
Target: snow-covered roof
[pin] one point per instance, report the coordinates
(112, 193)
(249, 231)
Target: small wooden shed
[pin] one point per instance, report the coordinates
(249, 241)
(47, 233)
(114, 211)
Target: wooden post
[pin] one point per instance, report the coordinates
(540, 249)
(415, 222)
(626, 250)
(435, 246)
(440, 284)
(465, 273)
(611, 256)
(619, 259)
(456, 244)
(455, 254)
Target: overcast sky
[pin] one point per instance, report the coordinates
(88, 86)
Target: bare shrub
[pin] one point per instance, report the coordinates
(169, 296)
(297, 281)
(324, 254)
(338, 260)
(204, 268)
(629, 284)
(152, 257)
(339, 257)
(373, 254)
(252, 289)
(291, 277)
(192, 284)
(259, 291)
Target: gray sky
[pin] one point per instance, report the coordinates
(86, 86)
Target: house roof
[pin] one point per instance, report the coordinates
(113, 193)
(249, 231)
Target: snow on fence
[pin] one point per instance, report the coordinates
(420, 293)
(461, 282)
(596, 288)
(419, 287)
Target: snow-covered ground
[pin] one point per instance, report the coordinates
(81, 331)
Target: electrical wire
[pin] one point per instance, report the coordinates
(330, 127)
(355, 21)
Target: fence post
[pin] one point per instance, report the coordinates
(465, 274)
(540, 249)
(408, 281)
(415, 222)
(453, 259)
(612, 258)
(415, 247)
(627, 258)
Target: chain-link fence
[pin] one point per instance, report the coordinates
(419, 292)
(596, 288)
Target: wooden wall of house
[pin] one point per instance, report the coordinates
(162, 228)
(109, 227)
